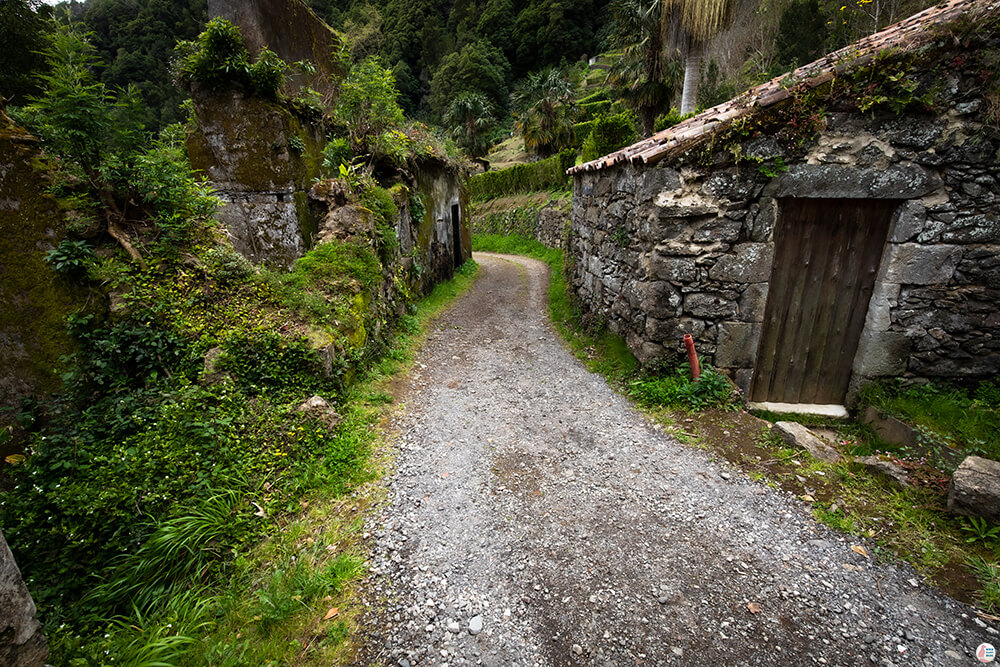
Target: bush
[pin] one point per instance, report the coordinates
(609, 133)
(335, 153)
(537, 176)
(670, 119)
(218, 59)
(712, 389)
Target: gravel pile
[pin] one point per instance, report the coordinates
(537, 519)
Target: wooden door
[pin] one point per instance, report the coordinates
(827, 252)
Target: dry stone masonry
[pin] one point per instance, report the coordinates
(688, 246)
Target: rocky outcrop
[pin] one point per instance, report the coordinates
(975, 489)
(21, 640)
(261, 159)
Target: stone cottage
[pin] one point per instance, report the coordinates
(830, 227)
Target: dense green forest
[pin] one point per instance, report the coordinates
(485, 67)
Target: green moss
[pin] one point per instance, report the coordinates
(36, 300)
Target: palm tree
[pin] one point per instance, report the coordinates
(471, 116)
(643, 76)
(546, 122)
(699, 22)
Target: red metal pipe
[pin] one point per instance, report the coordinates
(692, 356)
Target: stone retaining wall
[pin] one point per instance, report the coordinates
(681, 247)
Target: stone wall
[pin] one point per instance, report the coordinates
(685, 247)
(36, 300)
(545, 221)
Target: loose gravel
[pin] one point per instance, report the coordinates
(536, 518)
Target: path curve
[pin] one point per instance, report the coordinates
(531, 497)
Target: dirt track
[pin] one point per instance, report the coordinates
(530, 497)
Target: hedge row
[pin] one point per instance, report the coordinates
(537, 176)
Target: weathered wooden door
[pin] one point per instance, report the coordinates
(827, 252)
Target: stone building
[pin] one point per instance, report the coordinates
(830, 227)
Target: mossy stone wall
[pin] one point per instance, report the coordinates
(35, 299)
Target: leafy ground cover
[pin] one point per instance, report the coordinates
(960, 555)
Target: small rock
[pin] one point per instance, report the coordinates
(975, 489)
(577, 649)
(454, 627)
(883, 467)
(726, 476)
(797, 435)
(475, 625)
(677, 650)
(954, 655)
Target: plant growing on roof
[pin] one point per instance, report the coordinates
(367, 104)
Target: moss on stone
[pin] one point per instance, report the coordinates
(36, 299)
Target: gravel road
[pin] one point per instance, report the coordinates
(536, 518)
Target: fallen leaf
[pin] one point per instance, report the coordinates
(851, 568)
(808, 498)
(330, 614)
(753, 607)
(260, 510)
(14, 459)
(859, 550)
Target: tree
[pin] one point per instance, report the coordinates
(471, 116)
(478, 68)
(698, 21)
(23, 24)
(802, 34)
(644, 77)
(367, 104)
(546, 122)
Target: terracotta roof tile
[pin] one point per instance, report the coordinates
(905, 35)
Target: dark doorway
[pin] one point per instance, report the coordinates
(456, 226)
(826, 255)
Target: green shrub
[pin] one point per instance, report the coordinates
(537, 176)
(218, 59)
(335, 153)
(670, 119)
(712, 389)
(608, 134)
(70, 258)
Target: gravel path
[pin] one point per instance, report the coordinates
(535, 518)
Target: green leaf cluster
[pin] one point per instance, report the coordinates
(218, 59)
(608, 134)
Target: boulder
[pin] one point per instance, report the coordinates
(316, 406)
(211, 374)
(883, 467)
(975, 489)
(797, 435)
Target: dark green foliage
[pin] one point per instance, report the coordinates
(265, 361)
(670, 119)
(712, 389)
(534, 177)
(71, 258)
(23, 24)
(477, 68)
(135, 43)
(219, 59)
(546, 115)
(802, 34)
(609, 133)
(335, 153)
(367, 104)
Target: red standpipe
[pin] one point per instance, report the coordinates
(692, 356)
